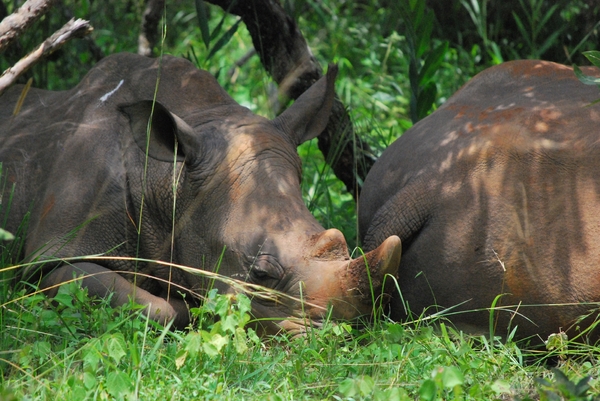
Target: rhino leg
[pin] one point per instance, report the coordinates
(102, 282)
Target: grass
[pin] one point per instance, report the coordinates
(78, 348)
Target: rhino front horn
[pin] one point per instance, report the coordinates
(369, 271)
(362, 279)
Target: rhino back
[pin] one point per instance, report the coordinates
(518, 108)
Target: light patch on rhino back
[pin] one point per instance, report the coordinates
(112, 92)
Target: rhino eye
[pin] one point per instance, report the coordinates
(258, 274)
(264, 268)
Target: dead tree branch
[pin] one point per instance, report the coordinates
(72, 29)
(13, 25)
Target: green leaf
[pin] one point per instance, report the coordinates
(547, 16)
(522, 30)
(428, 390)
(223, 40)
(230, 323)
(115, 347)
(223, 305)
(547, 43)
(392, 394)
(213, 343)
(134, 350)
(201, 13)
(593, 56)
(366, 384)
(582, 386)
(252, 336)
(432, 63)
(89, 380)
(424, 33)
(118, 384)
(452, 377)
(78, 391)
(41, 349)
(5, 235)
(500, 386)
(180, 358)
(193, 343)
(395, 333)
(495, 53)
(426, 99)
(586, 79)
(91, 359)
(348, 388)
(243, 303)
(64, 298)
(239, 340)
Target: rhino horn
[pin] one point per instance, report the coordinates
(350, 286)
(366, 275)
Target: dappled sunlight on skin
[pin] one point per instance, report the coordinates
(497, 192)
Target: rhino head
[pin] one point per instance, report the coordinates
(240, 210)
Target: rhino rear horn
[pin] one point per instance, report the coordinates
(158, 131)
(309, 115)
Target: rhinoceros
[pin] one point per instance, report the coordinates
(496, 198)
(151, 158)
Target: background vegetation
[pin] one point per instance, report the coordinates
(399, 59)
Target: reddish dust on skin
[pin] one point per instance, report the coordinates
(490, 115)
(329, 245)
(544, 69)
(48, 205)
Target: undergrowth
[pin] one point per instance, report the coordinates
(79, 348)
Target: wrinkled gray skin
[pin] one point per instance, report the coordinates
(77, 161)
(497, 192)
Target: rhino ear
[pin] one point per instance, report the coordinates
(309, 114)
(166, 130)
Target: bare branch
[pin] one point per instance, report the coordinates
(72, 29)
(13, 25)
(149, 33)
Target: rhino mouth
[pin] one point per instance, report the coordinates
(276, 316)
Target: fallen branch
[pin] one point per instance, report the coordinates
(13, 25)
(73, 28)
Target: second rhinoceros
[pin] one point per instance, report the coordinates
(151, 158)
(496, 198)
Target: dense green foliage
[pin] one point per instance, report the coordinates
(76, 348)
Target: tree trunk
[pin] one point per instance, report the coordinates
(149, 33)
